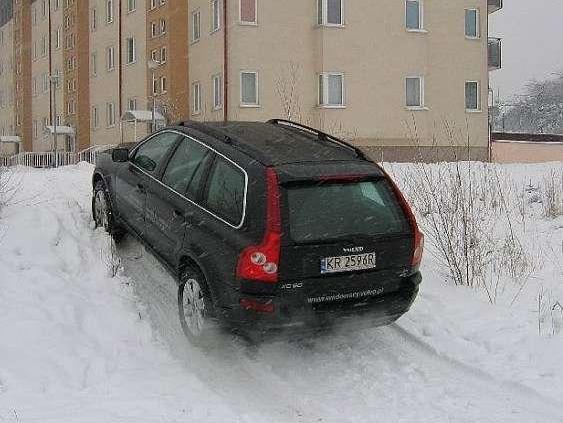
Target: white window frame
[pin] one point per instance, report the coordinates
(94, 63)
(110, 58)
(57, 38)
(110, 114)
(131, 6)
(196, 99)
(217, 83)
(163, 85)
(131, 104)
(109, 11)
(324, 16)
(325, 93)
(420, 16)
(257, 79)
(477, 23)
(95, 118)
(252, 23)
(195, 39)
(478, 109)
(131, 51)
(215, 6)
(422, 105)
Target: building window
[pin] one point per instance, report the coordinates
(472, 99)
(154, 85)
(331, 89)
(94, 63)
(45, 82)
(330, 12)
(163, 84)
(44, 9)
(57, 38)
(163, 55)
(162, 27)
(249, 88)
(414, 92)
(215, 15)
(196, 26)
(217, 92)
(110, 58)
(35, 130)
(472, 23)
(153, 4)
(247, 11)
(95, 118)
(110, 115)
(109, 11)
(131, 50)
(132, 104)
(131, 5)
(71, 107)
(94, 17)
(196, 98)
(414, 15)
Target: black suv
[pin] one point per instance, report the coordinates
(266, 225)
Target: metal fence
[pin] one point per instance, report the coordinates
(49, 159)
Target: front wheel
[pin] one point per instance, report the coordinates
(195, 308)
(103, 214)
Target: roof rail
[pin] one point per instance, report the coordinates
(322, 136)
(206, 129)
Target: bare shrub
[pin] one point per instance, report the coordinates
(8, 185)
(552, 195)
(466, 213)
(550, 313)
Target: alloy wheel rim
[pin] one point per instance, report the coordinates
(194, 306)
(100, 207)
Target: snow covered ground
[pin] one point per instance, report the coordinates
(77, 345)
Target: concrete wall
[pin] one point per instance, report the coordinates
(526, 152)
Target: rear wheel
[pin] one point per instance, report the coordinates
(195, 308)
(103, 213)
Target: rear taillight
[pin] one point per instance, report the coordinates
(418, 235)
(261, 262)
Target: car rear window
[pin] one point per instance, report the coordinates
(326, 211)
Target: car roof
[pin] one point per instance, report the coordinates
(276, 143)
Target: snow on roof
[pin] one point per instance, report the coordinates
(10, 138)
(61, 130)
(141, 116)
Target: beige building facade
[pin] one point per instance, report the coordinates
(388, 75)
(403, 79)
(8, 142)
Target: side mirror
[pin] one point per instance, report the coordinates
(120, 155)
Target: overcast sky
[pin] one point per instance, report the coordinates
(532, 32)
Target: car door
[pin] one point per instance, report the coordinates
(172, 201)
(145, 163)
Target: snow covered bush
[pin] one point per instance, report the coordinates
(8, 185)
(472, 215)
(552, 195)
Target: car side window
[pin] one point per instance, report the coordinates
(225, 193)
(149, 155)
(185, 169)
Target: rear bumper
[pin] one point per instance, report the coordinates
(298, 316)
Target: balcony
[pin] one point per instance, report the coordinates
(494, 53)
(494, 5)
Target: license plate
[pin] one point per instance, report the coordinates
(348, 263)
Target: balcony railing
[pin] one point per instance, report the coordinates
(494, 53)
(494, 5)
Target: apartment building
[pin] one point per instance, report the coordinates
(118, 68)
(388, 74)
(8, 141)
(399, 78)
(167, 55)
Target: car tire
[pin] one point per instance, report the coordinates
(102, 212)
(196, 309)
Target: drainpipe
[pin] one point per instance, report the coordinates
(225, 64)
(120, 66)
